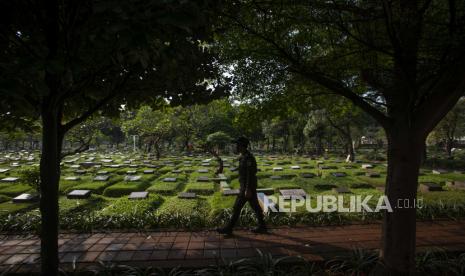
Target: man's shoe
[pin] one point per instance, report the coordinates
(260, 230)
(224, 231)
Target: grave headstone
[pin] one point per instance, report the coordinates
(187, 195)
(202, 171)
(87, 164)
(361, 186)
(307, 175)
(10, 179)
(373, 174)
(101, 178)
(429, 187)
(203, 179)
(325, 186)
(148, 171)
(132, 178)
(25, 198)
(277, 169)
(367, 166)
(176, 171)
(439, 171)
(295, 167)
(79, 171)
(341, 190)
(339, 174)
(231, 192)
(102, 172)
(292, 193)
(2, 170)
(131, 172)
(169, 179)
(72, 178)
(79, 194)
(459, 185)
(328, 167)
(138, 195)
(276, 177)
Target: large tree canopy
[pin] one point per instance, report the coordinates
(401, 61)
(64, 60)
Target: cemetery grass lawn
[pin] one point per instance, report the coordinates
(14, 189)
(75, 206)
(4, 198)
(127, 207)
(219, 202)
(126, 187)
(184, 206)
(168, 188)
(201, 188)
(110, 197)
(95, 186)
(9, 207)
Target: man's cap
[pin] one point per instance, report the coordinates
(241, 141)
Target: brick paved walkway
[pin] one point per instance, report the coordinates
(194, 249)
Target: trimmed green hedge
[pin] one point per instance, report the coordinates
(201, 188)
(125, 188)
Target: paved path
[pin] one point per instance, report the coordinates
(194, 249)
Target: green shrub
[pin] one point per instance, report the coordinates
(31, 177)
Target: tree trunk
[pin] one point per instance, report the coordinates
(49, 176)
(350, 143)
(405, 149)
(157, 150)
(424, 156)
(319, 145)
(448, 147)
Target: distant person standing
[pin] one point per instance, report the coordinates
(248, 188)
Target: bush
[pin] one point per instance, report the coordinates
(31, 176)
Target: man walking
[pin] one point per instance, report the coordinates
(248, 188)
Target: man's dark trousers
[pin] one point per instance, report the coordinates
(240, 202)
